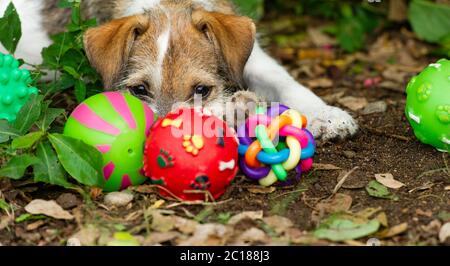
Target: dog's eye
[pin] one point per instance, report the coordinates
(139, 90)
(202, 90)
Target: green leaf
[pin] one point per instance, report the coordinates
(10, 29)
(336, 229)
(15, 168)
(48, 117)
(28, 114)
(430, 21)
(71, 71)
(82, 161)
(251, 8)
(25, 142)
(223, 217)
(377, 190)
(28, 216)
(80, 90)
(49, 169)
(350, 34)
(123, 239)
(4, 205)
(7, 132)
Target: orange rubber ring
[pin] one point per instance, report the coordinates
(304, 121)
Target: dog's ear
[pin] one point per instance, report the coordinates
(234, 37)
(108, 46)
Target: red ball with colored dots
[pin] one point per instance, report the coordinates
(192, 154)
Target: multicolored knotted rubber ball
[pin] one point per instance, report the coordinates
(267, 162)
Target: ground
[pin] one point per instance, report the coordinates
(370, 84)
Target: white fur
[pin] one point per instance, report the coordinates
(206, 4)
(139, 6)
(271, 81)
(34, 36)
(162, 44)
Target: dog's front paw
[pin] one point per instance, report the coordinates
(330, 122)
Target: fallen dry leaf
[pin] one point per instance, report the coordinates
(320, 83)
(444, 233)
(433, 227)
(35, 225)
(73, 242)
(355, 243)
(388, 181)
(49, 208)
(314, 53)
(157, 204)
(261, 189)
(394, 86)
(382, 218)
(332, 98)
(278, 223)
(5, 221)
(252, 215)
(158, 237)
(398, 10)
(339, 202)
(424, 213)
(447, 188)
(375, 107)
(325, 167)
(353, 103)
(393, 231)
(251, 236)
(185, 226)
(395, 74)
(208, 235)
(88, 235)
(319, 38)
(162, 223)
(303, 238)
(368, 212)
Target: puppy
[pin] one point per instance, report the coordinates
(168, 52)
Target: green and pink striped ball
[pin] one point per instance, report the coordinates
(117, 124)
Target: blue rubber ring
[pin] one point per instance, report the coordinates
(308, 152)
(266, 158)
(275, 158)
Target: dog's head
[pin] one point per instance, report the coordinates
(168, 57)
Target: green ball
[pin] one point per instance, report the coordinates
(117, 124)
(428, 105)
(14, 87)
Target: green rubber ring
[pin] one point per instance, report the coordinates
(268, 147)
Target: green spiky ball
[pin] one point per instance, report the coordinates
(428, 105)
(14, 87)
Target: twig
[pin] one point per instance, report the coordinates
(382, 133)
(290, 192)
(430, 196)
(446, 164)
(431, 172)
(202, 203)
(343, 179)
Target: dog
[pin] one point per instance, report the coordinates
(174, 51)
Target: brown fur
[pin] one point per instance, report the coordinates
(109, 46)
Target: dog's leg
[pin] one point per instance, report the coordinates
(271, 81)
